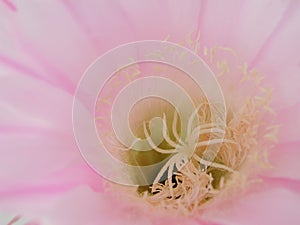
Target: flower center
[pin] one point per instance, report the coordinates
(243, 149)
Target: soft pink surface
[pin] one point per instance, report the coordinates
(45, 47)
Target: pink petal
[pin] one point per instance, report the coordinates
(285, 160)
(161, 18)
(282, 182)
(235, 24)
(42, 164)
(65, 55)
(131, 18)
(76, 31)
(27, 102)
(270, 206)
(96, 208)
(37, 139)
(10, 5)
(82, 206)
(279, 60)
(290, 122)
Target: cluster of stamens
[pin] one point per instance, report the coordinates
(188, 182)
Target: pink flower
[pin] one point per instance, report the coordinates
(47, 45)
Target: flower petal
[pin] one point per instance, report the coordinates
(289, 124)
(37, 139)
(279, 60)
(91, 208)
(64, 56)
(270, 206)
(235, 24)
(27, 102)
(284, 159)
